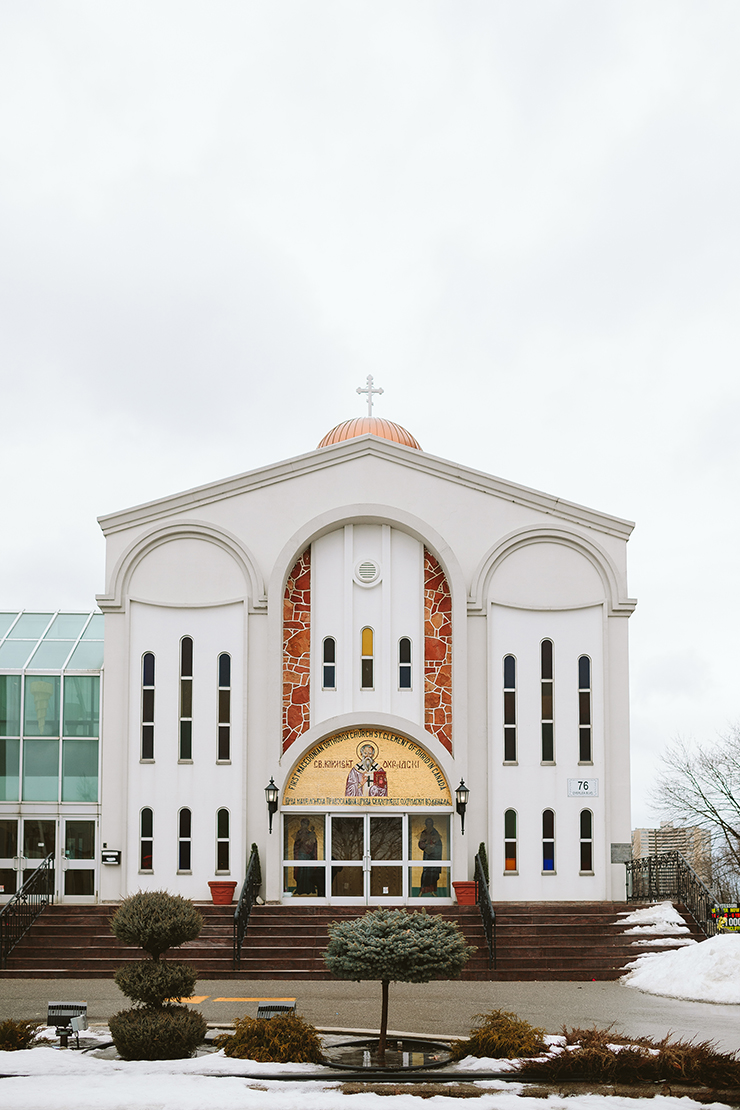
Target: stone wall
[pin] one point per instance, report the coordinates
(297, 650)
(437, 652)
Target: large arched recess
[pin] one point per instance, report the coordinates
(619, 604)
(368, 514)
(116, 598)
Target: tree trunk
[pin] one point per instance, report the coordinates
(383, 1021)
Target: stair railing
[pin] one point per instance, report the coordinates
(244, 906)
(669, 875)
(18, 915)
(487, 912)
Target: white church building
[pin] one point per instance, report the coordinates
(366, 625)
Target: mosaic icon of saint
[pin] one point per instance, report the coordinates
(366, 779)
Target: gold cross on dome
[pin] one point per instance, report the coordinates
(369, 390)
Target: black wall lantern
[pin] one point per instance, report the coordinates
(271, 797)
(461, 797)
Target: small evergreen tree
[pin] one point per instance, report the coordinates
(395, 946)
(484, 862)
(155, 1029)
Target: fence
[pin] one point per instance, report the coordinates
(668, 875)
(19, 914)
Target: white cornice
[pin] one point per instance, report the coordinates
(339, 453)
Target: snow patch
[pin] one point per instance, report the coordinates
(706, 972)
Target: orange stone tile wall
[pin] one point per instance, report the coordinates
(297, 650)
(437, 651)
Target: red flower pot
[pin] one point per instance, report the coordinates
(466, 892)
(222, 893)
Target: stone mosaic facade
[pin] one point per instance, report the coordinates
(297, 650)
(437, 651)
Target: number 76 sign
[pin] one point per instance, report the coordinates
(583, 788)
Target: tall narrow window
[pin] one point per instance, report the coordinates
(509, 709)
(147, 706)
(222, 840)
(585, 750)
(510, 840)
(404, 663)
(548, 840)
(146, 840)
(186, 698)
(329, 676)
(367, 675)
(546, 684)
(184, 839)
(587, 841)
(224, 708)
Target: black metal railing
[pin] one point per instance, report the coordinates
(19, 914)
(487, 912)
(246, 901)
(668, 875)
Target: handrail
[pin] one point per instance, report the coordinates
(669, 875)
(18, 915)
(246, 901)
(487, 912)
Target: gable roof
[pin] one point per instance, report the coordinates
(338, 453)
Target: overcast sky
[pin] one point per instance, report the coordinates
(522, 217)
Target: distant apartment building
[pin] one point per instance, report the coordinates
(694, 844)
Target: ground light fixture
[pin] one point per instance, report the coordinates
(271, 797)
(461, 797)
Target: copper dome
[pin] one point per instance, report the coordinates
(373, 425)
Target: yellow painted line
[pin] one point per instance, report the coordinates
(254, 999)
(196, 998)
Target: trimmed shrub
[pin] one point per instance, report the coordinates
(155, 982)
(155, 921)
(484, 862)
(169, 1033)
(286, 1039)
(257, 869)
(501, 1035)
(17, 1035)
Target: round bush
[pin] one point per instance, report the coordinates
(154, 982)
(155, 921)
(286, 1039)
(171, 1033)
(501, 1035)
(16, 1035)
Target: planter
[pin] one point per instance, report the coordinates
(466, 892)
(222, 893)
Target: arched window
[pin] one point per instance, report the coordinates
(224, 708)
(184, 839)
(404, 663)
(222, 841)
(546, 684)
(147, 706)
(585, 749)
(367, 681)
(510, 838)
(329, 663)
(186, 699)
(587, 842)
(509, 709)
(146, 840)
(548, 841)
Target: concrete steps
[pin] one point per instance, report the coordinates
(546, 940)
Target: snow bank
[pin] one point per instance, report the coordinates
(661, 918)
(706, 972)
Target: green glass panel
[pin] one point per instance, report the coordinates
(10, 705)
(41, 709)
(39, 838)
(31, 626)
(80, 771)
(66, 626)
(94, 630)
(40, 770)
(79, 840)
(14, 653)
(50, 654)
(81, 705)
(87, 656)
(6, 619)
(10, 751)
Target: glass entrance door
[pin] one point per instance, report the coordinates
(39, 840)
(10, 860)
(367, 859)
(78, 862)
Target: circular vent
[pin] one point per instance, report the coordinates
(367, 572)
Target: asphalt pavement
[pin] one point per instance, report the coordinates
(443, 1008)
